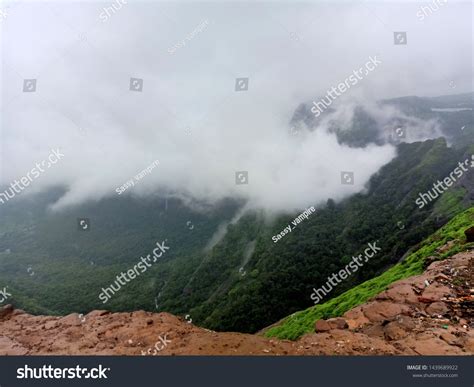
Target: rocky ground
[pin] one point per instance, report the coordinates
(430, 314)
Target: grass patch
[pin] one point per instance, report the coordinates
(451, 202)
(302, 322)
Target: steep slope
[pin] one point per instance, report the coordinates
(445, 242)
(280, 277)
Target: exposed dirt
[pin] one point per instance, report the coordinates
(430, 314)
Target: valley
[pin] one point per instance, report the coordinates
(244, 281)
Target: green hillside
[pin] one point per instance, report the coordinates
(280, 277)
(302, 322)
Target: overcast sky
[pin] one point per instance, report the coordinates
(188, 115)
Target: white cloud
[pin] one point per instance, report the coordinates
(84, 84)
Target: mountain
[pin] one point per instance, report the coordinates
(242, 281)
(426, 314)
(452, 113)
(280, 277)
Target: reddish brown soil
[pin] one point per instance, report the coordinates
(430, 314)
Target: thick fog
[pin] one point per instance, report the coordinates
(184, 110)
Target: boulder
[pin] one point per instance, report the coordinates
(337, 323)
(322, 326)
(395, 331)
(383, 310)
(437, 308)
(329, 324)
(469, 234)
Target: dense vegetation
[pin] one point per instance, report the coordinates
(280, 277)
(70, 266)
(302, 322)
(245, 281)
